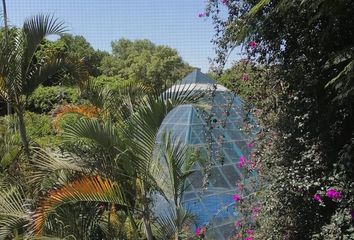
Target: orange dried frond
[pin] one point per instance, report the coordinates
(83, 110)
(92, 188)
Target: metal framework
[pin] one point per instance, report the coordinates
(213, 205)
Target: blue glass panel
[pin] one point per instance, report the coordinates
(214, 206)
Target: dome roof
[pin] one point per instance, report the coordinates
(213, 206)
(197, 77)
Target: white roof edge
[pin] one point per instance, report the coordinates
(198, 86)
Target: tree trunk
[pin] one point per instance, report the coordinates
(8, 105)
(23, 135)
(147, 225)
(146, 213)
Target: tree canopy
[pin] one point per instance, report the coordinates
(143, 61)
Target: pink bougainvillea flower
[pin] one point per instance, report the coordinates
(249, 145)
(249, 231)
(198, 231)
(252, 165)
(333, 194)
(244, 77)
(317, 197)
(249, 238)
(225, 2)
(241, 162)
(252, 44)
(238, 223)
(201, 15)
(236, 197)
(255, 211)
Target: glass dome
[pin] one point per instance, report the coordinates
(216, 130)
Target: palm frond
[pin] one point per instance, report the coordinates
(85, 189)
(13, 213)
(99, 96)
(104, 134)
(36, 29)
(132, 96)
(11, 65)
(50, 66)
(83, 110)
(74, 221)
(47, 164)
(182, 94)
(173, 224)
(143, 126)
(171, 167)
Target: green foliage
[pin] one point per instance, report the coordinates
(69, 118)
(44, 99)
(144, 62)
(114, 83)
(10, 146)
(13, 213)
(78, 47)
(39, 129)
(305, 93)
(24, 66)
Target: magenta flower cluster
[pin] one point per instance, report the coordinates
(236, 197)
(238, 223)
(333, 194)
(252, 44)
(241, 162)
(330, 193)
(317, 197)
(249, 233)
(198, 231)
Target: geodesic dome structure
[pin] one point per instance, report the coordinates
(215, 129)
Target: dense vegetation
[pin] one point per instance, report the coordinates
(78, 126)
(299, 74)
(77, 153)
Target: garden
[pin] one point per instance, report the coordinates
(137, 143)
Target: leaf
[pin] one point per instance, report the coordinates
(36, 29)
(256, 8)
(13, 213)
(347, 69)
(170, 165)
(103, 134)
(85, 189)
(45, 164)
(170, 223)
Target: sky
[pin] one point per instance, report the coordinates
(174, 23)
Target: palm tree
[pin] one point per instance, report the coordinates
(22, 69)
(117, 166)
(8, 105)
(171, 176)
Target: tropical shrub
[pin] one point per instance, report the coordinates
(44, 99)
(306, 110)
